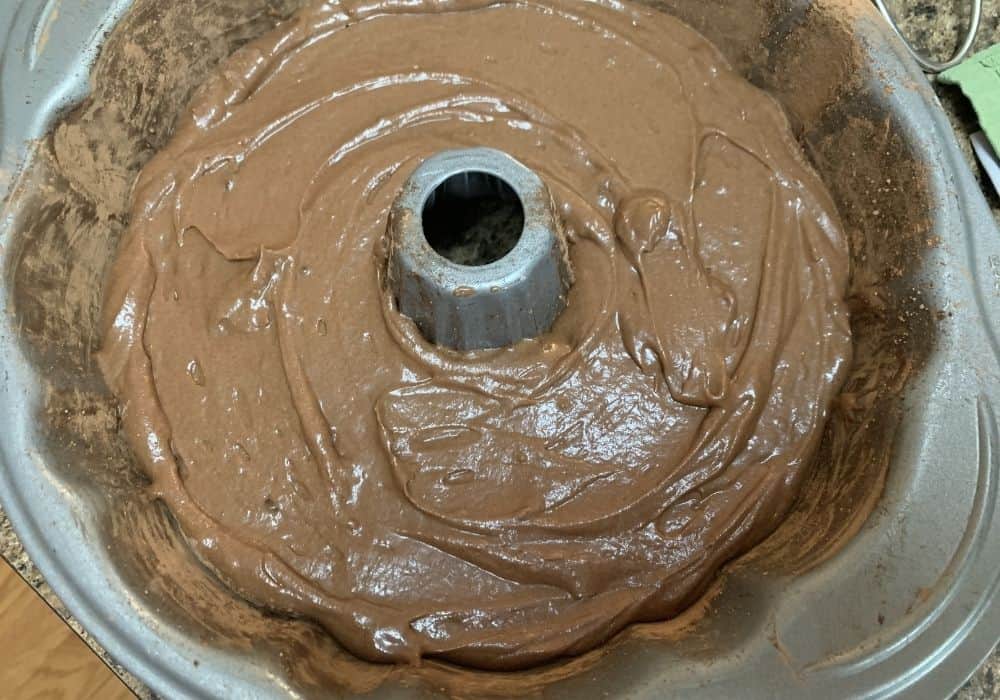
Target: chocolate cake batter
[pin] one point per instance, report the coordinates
(501, 508)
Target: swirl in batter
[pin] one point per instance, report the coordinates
(501, 508)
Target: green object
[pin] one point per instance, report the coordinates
(979, 78)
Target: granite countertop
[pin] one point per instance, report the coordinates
(934, 26)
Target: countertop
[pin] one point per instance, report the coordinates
(933, 25)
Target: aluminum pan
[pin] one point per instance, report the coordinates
(934, 540)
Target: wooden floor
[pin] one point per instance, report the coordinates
(40, 656)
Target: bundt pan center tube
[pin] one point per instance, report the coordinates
(477, 258)
(883, 579)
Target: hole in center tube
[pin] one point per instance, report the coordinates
(473, 218)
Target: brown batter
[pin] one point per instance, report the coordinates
(502, 508)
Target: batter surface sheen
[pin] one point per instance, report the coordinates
(502, 508)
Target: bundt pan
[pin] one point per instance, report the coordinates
(883, 581)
